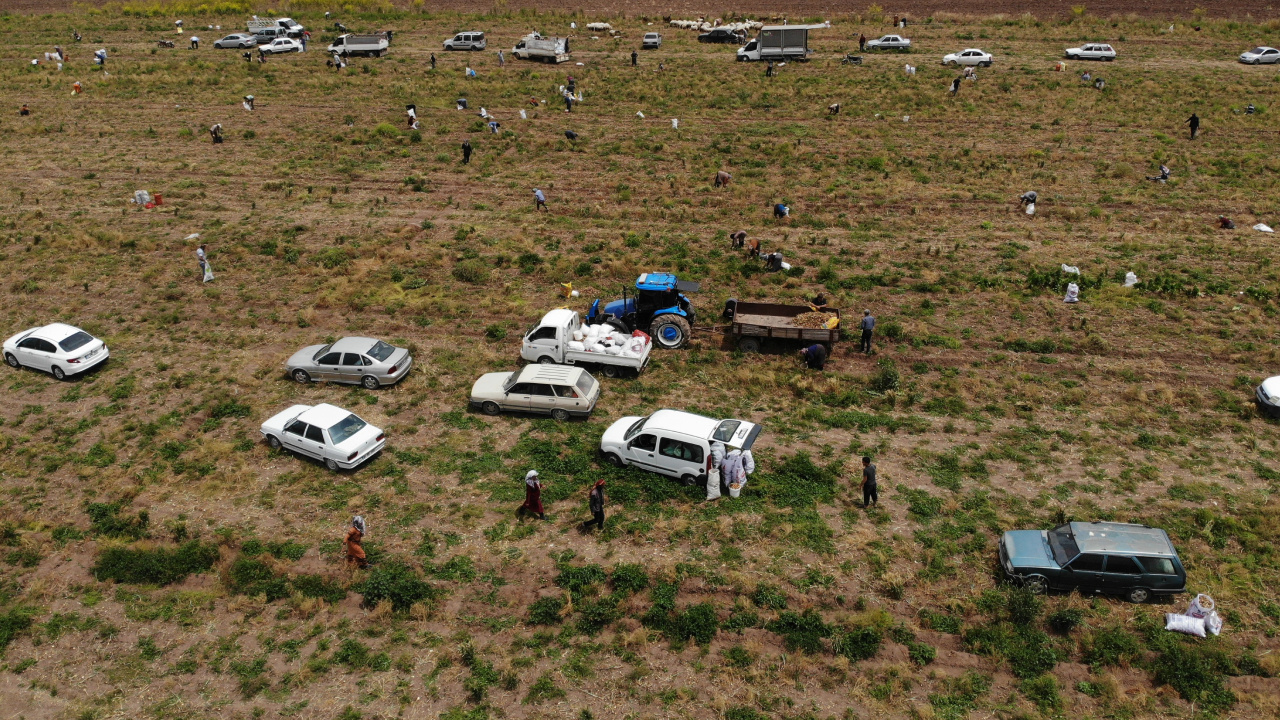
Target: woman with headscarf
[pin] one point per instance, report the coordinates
(595, 500)
(355, 535)
(533, 495)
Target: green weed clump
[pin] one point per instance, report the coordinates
(159, 566)
(1112, 646)
(1197, 674)
(15, 622)
(940, 621)
(250, 576)
(105, 520)
(1042, 691)
(395, 581)
(542, 690)
(961, 696)
(802, 632)
(317, 586)
(546, 611)
(859, 644)
(628, 579)
(580, 579)
(1065, 620)
(699, 622)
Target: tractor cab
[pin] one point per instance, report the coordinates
(658, 307)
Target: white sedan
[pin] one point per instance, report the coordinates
(1091, 51)
(972, 56)
(282, 45)
(889, 42)
(1260, 55)
(336, 437)
(59, 349)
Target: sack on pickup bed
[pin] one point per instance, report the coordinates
(577, 346)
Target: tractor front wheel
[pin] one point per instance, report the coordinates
(670, 331)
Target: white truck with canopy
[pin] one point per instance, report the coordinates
(778, 43)
(291, 28)
(560, 338)
(547, 49)
(352, 44)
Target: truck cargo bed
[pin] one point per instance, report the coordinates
(772, 320)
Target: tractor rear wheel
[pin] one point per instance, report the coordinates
(670, 331)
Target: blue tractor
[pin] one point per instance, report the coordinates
(658, 307)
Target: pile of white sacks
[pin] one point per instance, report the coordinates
(609, 341)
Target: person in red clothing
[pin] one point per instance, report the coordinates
(355, 536)
(533, 495)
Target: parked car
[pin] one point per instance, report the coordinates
(466, 41)
(267, 35)
(282, 45)
(972, 56)
(889, 42)
(336, 437)
(1092, 51)
(60, 349)
(237, 40)
(651, 41)
(354, 360)
(1268, 397)
(1135, 561)
(723, 35)
(1260, 56)
(560, 391)
(673, 442)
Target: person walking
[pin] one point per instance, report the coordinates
(433, 61)
(862, 42)
(533, 495)
(540, 200)
(568, 102)
(955, 87)
(306, 38)
(202, 259)
(815, 356)
(635, 58)
(502, 59)
(595, 501)
(1194, 122)
(768, 69)
(867, 325)
(870, 495)
(354, 543)
(466, 152)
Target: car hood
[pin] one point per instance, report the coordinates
(361, 441)
(490, 385)
(1271, 389)
(303, 357)
(615, 436)
(1027, 549)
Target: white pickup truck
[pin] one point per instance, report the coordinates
(548, 343)
(352, 44)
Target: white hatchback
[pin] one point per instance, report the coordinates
(971, 57)
(60, 349)
(1091, 51)
(336, 437)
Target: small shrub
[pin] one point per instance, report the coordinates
(802, 632)
(1197, 675)
(921, 653)
(1065, 620)
(769, 596)
(459, 568)
(252, 577)
(1024, 606)
(859, 644)
(475, 272)
(628, 579)
(15, 622)
(1043, 692)
(316, 586)
(579, 579)
(394, 580)
(105, 520)
(698, 622)
(495, 332)
(546, 611)
(596, 615)
(940, 621)
(543, 689)
(352, 653)
(886, 377)
(1112, 646)
(160, 566)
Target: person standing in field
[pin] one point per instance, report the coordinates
(433, 61)
(539, 200)
(466, 152)
(502, 59)
(867, 325)
(635, 58)
(595, 501)
(354, 542)
(202, 259)
(533, 495)
(870, 493)
(862, 42)
(1194, 122)
(955, 87)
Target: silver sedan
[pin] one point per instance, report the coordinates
(354, 360)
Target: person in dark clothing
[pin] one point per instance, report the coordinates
(1028, 198)
(768, 69)
(568, 102)
(466, 152)
(870, 495)
(815, 356)
(571, 135)
(595, 500)
(1163, 176)
(635, 58)
(533, 495)
(819, 302)
(955, 87)
(573, 85)
(25, 110)
(862, 42)
(867, 325)
(1194, 122)
(433, 61)
(722, 178)
(1226, 223)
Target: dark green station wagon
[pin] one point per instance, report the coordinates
(1135, 561)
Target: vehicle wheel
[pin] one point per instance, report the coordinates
(369, 382)
(546, 360)
(611, 371)
(749, 345)
(1138, 595)
(614, 460)
(273, 442)
(331, 464)
(13, 361)
(559, 414)
(490, 408)
(1037, 584)
(58, 373)
(670, 331)
(986, 64)
(377, 53)
(688, 480)
(1109, 59)
(302, 376)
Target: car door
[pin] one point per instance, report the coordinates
(541, 342)
(295, 436)
(1121, 574)
(568, 398)
(328, 367)
(1085, 572)
(641, 449)
(518, 397)
(1160, 573)
(352, 368)
(315, 443)
(30, 354)
(541, 398)
(1271, 56)
(680, 458)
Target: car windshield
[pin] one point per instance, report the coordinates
(76, 341)
(1258, 50)
(585, 381)
(381, 351)
(1063, 544)
(725, 430)
(321, 351)
(635, 429)
(348, 426)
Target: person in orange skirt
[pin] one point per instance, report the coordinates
(355, 535)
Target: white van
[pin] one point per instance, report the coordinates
(466, 41)
(674, 442)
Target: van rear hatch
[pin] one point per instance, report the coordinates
(736, 433)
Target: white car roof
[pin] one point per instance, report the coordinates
(324, 415)
(353, 345)
(553, 374)
(1271, 386)
(558, 317)
(57, 332)
(979, 50)
(682, 422)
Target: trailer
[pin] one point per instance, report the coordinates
(547, 49)
(754, 324)
(779, 43)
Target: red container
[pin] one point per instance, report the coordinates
(159, 199)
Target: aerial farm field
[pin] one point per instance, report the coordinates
(158, 560)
